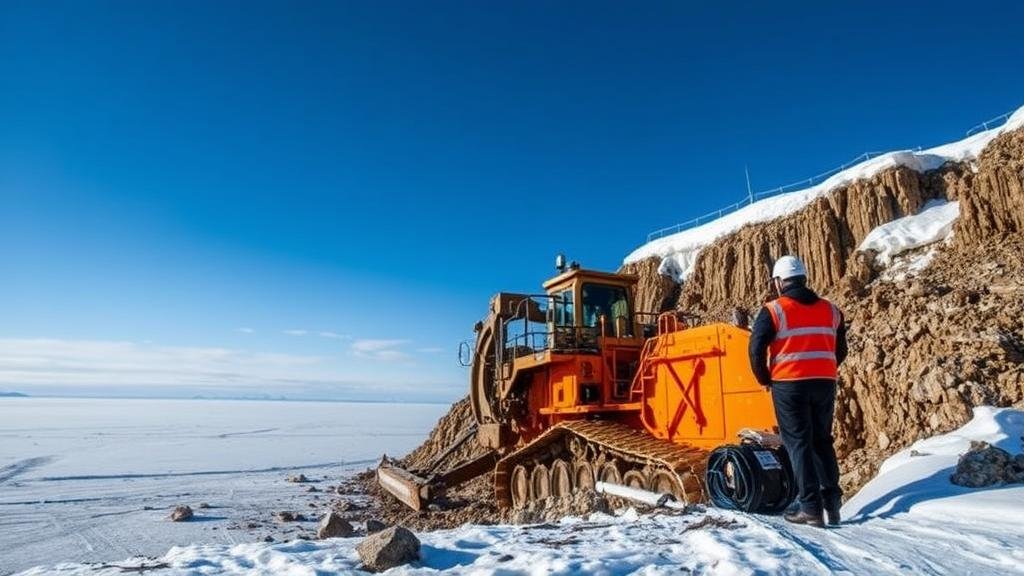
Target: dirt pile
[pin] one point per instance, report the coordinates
(363, 500)
(553, 509)
(925, 348)
(448, 429)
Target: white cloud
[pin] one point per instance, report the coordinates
(379, 349)
(296, 332)
(430, 350)
(245, 330)
(117, 368)
(334, 335)
(89, 362)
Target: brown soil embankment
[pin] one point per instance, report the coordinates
(923, 350)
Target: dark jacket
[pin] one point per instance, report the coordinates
(763, 333)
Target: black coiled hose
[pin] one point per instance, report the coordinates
(738, 480)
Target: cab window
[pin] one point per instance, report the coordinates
(564, 309)
(604, 300)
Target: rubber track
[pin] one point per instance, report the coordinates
(634, 444)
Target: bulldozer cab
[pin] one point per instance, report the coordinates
(579, 308)
(587, 305)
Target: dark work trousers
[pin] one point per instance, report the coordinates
(804, 410)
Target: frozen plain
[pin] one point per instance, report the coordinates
(908, 520)
(93, 480)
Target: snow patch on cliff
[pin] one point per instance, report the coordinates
(933, 223)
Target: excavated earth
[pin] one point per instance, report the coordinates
(362, 499)
(927, 343)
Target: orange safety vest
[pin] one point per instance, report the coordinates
(805, 339)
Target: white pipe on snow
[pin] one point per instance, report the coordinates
(639, 495)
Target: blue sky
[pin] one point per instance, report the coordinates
(318, 199)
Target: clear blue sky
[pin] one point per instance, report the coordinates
(192, 192)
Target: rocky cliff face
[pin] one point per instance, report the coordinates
(825, 234)
(655, 292)
(994, 206)
(923, 350)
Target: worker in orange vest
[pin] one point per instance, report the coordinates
(796, 345)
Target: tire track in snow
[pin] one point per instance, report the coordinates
(20, 467)
(208, 472)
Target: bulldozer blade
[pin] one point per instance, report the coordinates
(410, 489)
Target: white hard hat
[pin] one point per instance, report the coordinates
(788, 267)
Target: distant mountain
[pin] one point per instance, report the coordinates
(13, 395)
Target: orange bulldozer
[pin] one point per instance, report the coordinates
(575, 389)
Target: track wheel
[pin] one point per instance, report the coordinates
(561, 478)
(519, 485)
(540, 482)
(583, 475)
(664, 482)
(635, 479)
(610, 473)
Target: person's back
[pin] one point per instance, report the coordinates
(796, 345)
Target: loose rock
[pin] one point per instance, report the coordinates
(580, 503)
(181, 514)
(374, 526)
(986, 465)
(288, 516)
(333, 526)
(389, 548)
(297, 478)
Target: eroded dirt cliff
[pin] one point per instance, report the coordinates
(923, 349)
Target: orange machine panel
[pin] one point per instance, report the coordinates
(698, 388)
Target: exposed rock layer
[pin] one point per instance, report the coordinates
(923, 351)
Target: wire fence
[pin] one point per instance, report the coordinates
(997, 121)
(755, 196)
(799, 185)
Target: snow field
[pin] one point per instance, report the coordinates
(95, 479)
(909, 520)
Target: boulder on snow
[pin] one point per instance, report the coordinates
(985, 465)
(333, 526)
(289, 516)
(373, 525)
(1014, 471)
(181, 514)
(388, 548)
(297, 478)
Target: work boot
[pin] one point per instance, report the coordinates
(801, 517)
(832, 517)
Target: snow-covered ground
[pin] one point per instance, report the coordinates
(908, 520)
(678, 252)
(94, 480)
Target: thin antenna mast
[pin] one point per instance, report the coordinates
(750, 191)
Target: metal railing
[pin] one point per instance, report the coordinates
(799, 185)
(755, 196)
(997, 121)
